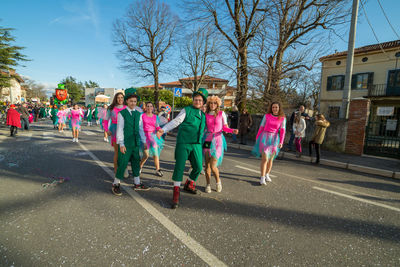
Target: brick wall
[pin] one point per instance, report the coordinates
(358, 117)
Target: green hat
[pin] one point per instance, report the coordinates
(131, 91)
(203, 92)
(89, 106)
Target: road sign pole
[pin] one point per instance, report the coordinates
(173, 106)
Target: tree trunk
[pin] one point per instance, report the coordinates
(156, 92)
(241, 97)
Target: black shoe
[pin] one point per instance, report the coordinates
(141, 187)
(116, 189)
(159, 173)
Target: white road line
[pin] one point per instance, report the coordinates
(192, 244)
(88, 132)
(48, 135)
(251, 170)
(357, 198)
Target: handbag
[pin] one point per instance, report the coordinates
(207, 144)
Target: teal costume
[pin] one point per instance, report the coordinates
(54, 117)
(188, 144)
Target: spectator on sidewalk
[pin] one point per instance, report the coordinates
(24, 117)
(299, 129)
(234, 119)
(292, 135)
(319, 134)
(245, 122)
(13, 120)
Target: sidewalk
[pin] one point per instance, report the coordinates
(368, 164)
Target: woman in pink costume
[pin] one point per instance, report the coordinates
(75, 116)
(104, 121)
(62, 119)
(269, 140)
(151, 124)
(112, 114)
(214, 142)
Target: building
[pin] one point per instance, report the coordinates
(91, 93)
(16, 92)
(376, 83)
(214, 86)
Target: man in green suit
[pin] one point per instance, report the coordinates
(188, 143)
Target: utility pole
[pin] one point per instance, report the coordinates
(344, 111)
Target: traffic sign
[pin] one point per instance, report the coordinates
(178, 92)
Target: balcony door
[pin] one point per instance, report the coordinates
(393, 85)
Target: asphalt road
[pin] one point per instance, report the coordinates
(307, 216)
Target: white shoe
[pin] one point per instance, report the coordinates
(267, 178)
(73, 140)
(105, 140)
(126, 173)
(203, 172)
(76, 140)
(208, 188)
(262, 181)
(219, 187)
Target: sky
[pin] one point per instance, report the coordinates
(74, 38)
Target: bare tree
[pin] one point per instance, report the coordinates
(237, 22)
(145, 34)
(199, 55)
(294, 36)
(34, 89)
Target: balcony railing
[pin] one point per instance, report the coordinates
(383, 90)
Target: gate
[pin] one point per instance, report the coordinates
(382, 135)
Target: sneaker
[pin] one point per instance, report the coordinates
(267, 178)
(76, 140)
(190, 186)
(159, 173)
(208, 188)
(219, 187)
(126, 173)
(73, 140)
(262, 181)
(141, 187)
(116, 189)
(203, 172)
(105, 140)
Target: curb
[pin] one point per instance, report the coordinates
(326, 162)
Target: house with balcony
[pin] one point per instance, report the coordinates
(214, 86)
(376, 78)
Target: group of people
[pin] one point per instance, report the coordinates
(136, 135)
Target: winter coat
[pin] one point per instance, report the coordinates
(319, 132)
(245, 123)
(299, 129)
(234, 117)
(13, 118)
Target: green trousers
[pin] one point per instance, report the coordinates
(191, 152)
(132, 155)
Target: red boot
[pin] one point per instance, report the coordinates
(190, 186)
(175, 199)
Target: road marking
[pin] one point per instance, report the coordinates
(48, 135)
(25, 137)
(88, 132)
(251, 170)
(192, 244)
(357, 198)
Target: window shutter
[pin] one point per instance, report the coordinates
(354, 81)
(329, 83)
(342, 82)
(370, 79)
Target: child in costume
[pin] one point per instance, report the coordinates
(89, 115)
(54, 117)
(192, 122)
(129, 135)
(62, 118)
(13, 120)
(299, 130)
(151, 124)
(269, 140)
(214, 142)
(75, 116)
(96, 115)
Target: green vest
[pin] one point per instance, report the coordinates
(131, 128)
(192, 128)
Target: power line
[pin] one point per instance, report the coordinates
(391, 26)
(372, 29)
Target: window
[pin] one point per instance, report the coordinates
(362, 80)
(335, 82)
(333, 112)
